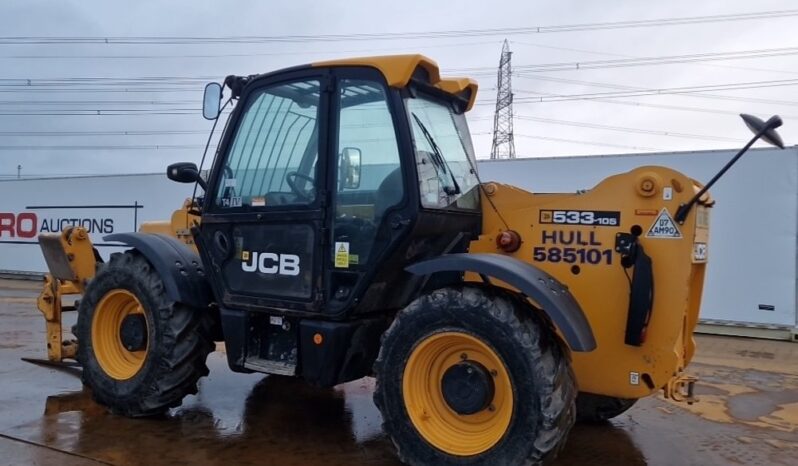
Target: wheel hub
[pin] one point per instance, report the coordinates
(133, 332)
(467, 387)
(439, 392)
(119, 334)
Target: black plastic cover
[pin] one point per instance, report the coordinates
(641, 299)
(347, 350)
(178, 266)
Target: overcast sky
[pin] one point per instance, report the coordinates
(696, 121)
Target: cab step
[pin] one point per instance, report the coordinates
(270, 367)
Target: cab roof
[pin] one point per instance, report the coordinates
(399, 69)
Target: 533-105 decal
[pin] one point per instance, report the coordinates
(581, 217)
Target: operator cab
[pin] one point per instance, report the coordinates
(331, 178)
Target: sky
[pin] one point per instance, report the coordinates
(50, 93)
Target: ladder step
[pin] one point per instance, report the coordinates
(270, 367)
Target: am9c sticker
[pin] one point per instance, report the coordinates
(581, 217)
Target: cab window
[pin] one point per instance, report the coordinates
(444, 155)
(369, 177)
(272, 159)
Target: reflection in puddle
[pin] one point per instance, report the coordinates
(252, 419)
(280, 420)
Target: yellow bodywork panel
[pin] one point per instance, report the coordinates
(398, 69)
(69, 256)
(179, 226)
(572, 237)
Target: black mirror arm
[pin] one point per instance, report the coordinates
(684, 209)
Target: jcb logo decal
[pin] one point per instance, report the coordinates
(270, 263)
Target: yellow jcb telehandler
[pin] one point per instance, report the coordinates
(343, 232)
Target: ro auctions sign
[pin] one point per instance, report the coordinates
(101, 204)
(27, 225)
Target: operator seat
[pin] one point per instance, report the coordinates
(388, 194)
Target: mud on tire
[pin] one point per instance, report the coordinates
(178, 341)
(543, 383)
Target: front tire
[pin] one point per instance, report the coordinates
(141, 352)
(471, 376)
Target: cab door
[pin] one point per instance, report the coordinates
(371, 208)
(263, 217)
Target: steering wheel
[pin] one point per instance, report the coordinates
(304, 195)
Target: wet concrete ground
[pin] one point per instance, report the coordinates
(748, 414)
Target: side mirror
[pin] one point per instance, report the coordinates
(768, 128)
(350, 168)
(211, 101)
(185, 172)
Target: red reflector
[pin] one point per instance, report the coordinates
(508, 241)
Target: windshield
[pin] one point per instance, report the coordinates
(444, 155)
(272, 158)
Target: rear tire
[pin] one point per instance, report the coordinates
(173, 340)
(592, 408)
(451, 327)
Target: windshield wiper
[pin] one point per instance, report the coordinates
(439, 161)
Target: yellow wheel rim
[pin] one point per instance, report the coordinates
(439, 424)
(116, 361)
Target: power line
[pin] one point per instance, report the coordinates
(184, 40)
(102, 147)
(183, 81)
(60, 175)
(635, 103)
(643, 61)
(28, 102)
(662, 60)
(589, 143)
(638, 88)
(123, 90)
(661, 91)
(609, 54)
(98, 133)
(678, 107)
(107, 81)
(238, 55)
(624, 129)
(101, 112)
(577, 141)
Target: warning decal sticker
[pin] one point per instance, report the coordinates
(342, 255)
(664, 227)
(699, 252)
